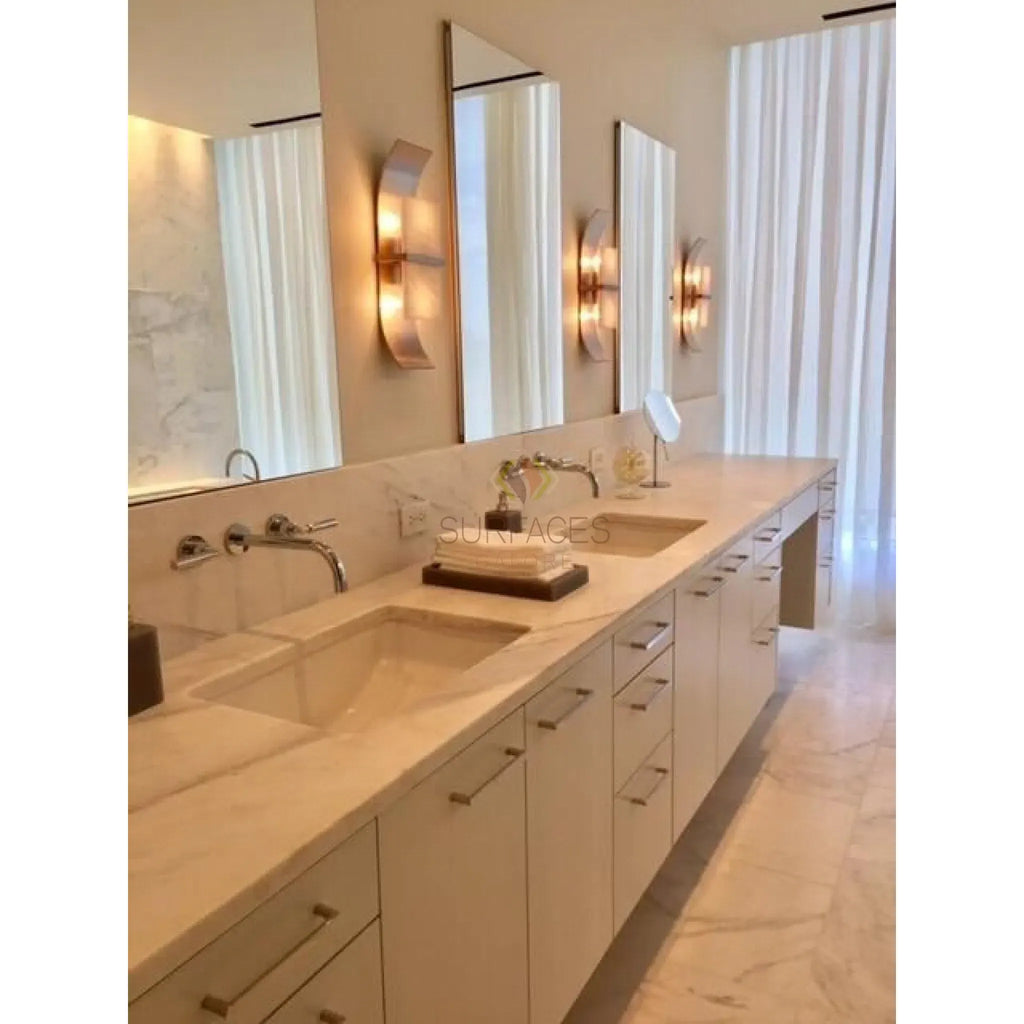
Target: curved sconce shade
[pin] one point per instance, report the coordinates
(598, 277)
(695, 293)
(400, 219)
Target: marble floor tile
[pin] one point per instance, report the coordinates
(800, 835)
(682, 996)
(841, 777)
(854, 967)
(874, 833)
(755, 927)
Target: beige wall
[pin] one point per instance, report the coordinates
(382, 78)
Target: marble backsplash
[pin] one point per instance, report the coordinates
(232, 593)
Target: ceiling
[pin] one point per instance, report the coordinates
(747, 21)
(216, 66)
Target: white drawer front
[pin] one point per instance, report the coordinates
(642, 639)
(643, 829)
(642, 716)
(767, 537)
(253, 967)
(349, 990)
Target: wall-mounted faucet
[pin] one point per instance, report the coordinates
(245, 453)
(513, 470)
(281, 532)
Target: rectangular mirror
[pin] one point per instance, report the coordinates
(646, 233)
(507, 191)
(231, 352)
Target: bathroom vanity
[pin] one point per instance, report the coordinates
(429, 806)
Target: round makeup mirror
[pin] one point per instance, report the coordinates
(663, 421)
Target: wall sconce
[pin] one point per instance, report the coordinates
(598, 287)
(695, 292)
(402, 222)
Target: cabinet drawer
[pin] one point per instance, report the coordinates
(735, 560)
(799, 510)
(642, 715)
(827, 487)
(349, 990)
(642, 639)
(763, 661)
(767, 537)
(254, 966)
(643, 828)
(767, 585)
(826, 531)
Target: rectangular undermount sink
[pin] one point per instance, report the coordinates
(624, 533)
(389, 662)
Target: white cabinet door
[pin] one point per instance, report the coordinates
(569, 825)
(734, 662)
(347, 991)
(695, 726)
(453, 889)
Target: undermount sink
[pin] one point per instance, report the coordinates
(389, 662)
(623, 533)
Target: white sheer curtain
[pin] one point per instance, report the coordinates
(524, 251)
(809, 356)
(647, 185)
(273, 223)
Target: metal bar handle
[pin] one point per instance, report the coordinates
(331, 1017)
(826, 517)
(582, 695)
(191, 551)
(661, 687)
(766, 641)
(658, 636)
(826, 487)
(768, 533)
(222, 1007)
(643, 801)
(734, 568)
(708, 585)
(769, 573)
(320, 524)
(466, 799)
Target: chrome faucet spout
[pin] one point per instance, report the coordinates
(283, 533)
(514, 469)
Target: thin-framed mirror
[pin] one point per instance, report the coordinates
(231, 346)
(506, 190)
(645, 216)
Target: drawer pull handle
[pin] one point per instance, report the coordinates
(643, 801)
(769, 573)
(826, 487)
(331, 1017)
(659, 635)
(766, 641)
(466, 799)
(708, 586)
(661, 686)
(826, 517)
(582, 696)
(222, 1007)
(734, 568)
(768, 533)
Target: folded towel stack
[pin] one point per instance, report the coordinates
(497, 553)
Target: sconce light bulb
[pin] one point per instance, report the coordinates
(590, 314)
(390, 306)
(389, 224)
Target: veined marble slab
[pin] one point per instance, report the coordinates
(214, 833)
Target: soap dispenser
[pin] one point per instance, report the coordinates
(145, 680)
(504, 518)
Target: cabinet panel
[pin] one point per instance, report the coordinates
(734, 663)
(766, 586)
(695, 719)
(569, 829)
(453, 889)
(347, 991)
(799, 510)
(254, 966)
(643, 716)
(643, 828)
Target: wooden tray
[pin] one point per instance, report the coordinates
(537, 590)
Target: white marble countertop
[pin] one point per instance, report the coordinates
(226, 806)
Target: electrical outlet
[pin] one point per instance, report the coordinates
(412, 517)
(597, 460)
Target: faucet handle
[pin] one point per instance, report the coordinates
(279, 525)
